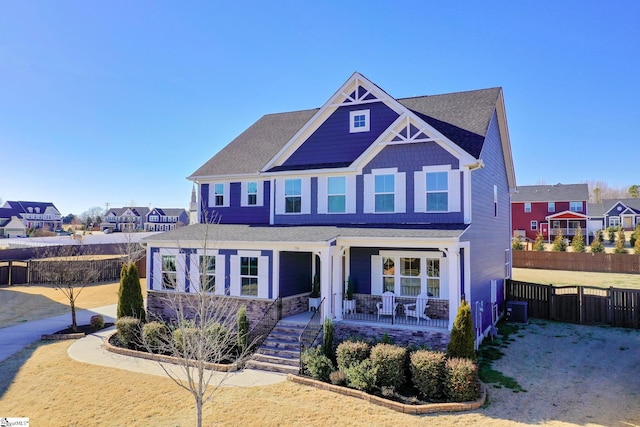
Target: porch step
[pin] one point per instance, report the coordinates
(280, 351)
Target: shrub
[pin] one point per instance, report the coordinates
(596, 246)
(461, 380)
(559, 244)
(327, 338)
(337, 378)
(462, 343)
(578, 241)
(636, 245)
(611, 231)
(184, 337)
(350, 352)
(316, 364)
(538, 245)
(516, 243)
(130, 301)
(620, 249)
(155, 335)
(128, 330)
(243, 328)
(361, 375)
(97, 322)
(215, 334)
(390, 361)
(427, 373)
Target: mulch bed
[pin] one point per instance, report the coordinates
(83, 329)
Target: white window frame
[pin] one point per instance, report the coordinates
(236, 278)
(534, 225)
(367, 121)
(527, 207)
(195, 274)
(377, 281)
(225, 195)
(576, 205)
(614, 221)
(420, 189)
(157, 273)
(323, 196)
(551, 206)
(244, 189)
(399, 199)
(306, 196)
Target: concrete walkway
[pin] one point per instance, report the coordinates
(90, 350)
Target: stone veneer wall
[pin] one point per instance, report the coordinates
(295, 304)
(400, 336)
(158, 305)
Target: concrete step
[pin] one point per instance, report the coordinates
(288, 353)
(276, 360)
(272, 367)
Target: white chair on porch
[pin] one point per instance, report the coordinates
(388, 305)
(418, 309)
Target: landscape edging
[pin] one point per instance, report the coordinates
(162, 358)
(428, 408)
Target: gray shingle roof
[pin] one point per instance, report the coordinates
(599, 209)
(298, 234)
(462, 117)
(551, 193)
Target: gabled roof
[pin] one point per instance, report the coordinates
(551, 193)
(137, 210)
(566, 215)
(18, 206)
(169, 211)
(462, 118)
(597, 210)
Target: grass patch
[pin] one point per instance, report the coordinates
(490, 351)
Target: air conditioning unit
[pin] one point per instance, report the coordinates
(517, 311)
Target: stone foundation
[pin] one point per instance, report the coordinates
(401, 336)
(295, 304)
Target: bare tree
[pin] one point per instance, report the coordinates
(201, 330)
(67, 270)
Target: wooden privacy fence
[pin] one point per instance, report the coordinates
(585, 305)
(52, 271)
(573, 261)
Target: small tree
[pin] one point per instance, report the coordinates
(130, 301)
(620, 249)
(596, 245)
(243, 328)
(516, 243)
(577, 244)
(634, 236)
(611, 231)
(636, 246)
(559, 245)
(327, 338)
(538, 245)
(462, 343)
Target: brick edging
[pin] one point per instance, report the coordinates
(396, 406)
(162, 358)
(54, 337)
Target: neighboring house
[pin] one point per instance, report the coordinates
(159, 219)
(548, 209)
(34, 215)
(13, 228)
(404, 195)
(614, 213)
(125, 219)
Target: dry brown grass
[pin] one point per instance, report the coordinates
(29, 302)
(577, 278)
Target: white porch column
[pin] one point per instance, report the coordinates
(325, 281)
(275, 276)
(453, 267)
(337, 281)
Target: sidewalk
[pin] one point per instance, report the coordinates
(90, 350)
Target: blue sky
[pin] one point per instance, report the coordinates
(119, 101)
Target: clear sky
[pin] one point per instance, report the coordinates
(119, 101)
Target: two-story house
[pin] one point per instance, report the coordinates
(33, 215)
(165, 219)
(623, 213)
(408, 196)
(125, 219)
(549, 209)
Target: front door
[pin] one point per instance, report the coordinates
(544, 229)
(627, 222)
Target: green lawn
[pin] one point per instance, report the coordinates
(565, 278)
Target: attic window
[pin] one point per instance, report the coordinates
(359, 121)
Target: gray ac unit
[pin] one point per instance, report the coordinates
(517, 311)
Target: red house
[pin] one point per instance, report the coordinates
(549, 209)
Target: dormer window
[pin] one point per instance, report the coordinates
(359, 121)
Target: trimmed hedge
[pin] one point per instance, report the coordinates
(155, 335)
(390, 362)
(316, 364)
(361, 375)
(427, 373)
(461, 380)
(351, 352)
(128, 330)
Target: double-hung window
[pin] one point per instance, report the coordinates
(534, 225)
(384, 193)
(437, 191)
(218, 198)
(575, 206)
(252, 193)
(336, 194)
(293, 195)
(527, 207)
(249, 276)
(551, 207)
(169, 272)
(208, 276)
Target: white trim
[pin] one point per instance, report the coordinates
(244, 200)
(225, 195)
(263, 274)
(367, 121)
(195, 274)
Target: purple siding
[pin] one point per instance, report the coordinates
(489, 235)
(360, 268)
(295, 273)
(332, 142)
(408, 158)
(234, 213)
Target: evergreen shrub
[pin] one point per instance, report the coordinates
(461, 380)
(390, 362)
(155, 335)
(350, 352)
(316, 364)
(462, 343)
(128, 328)
(97, 322)
(361, 375)
(427, 373)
